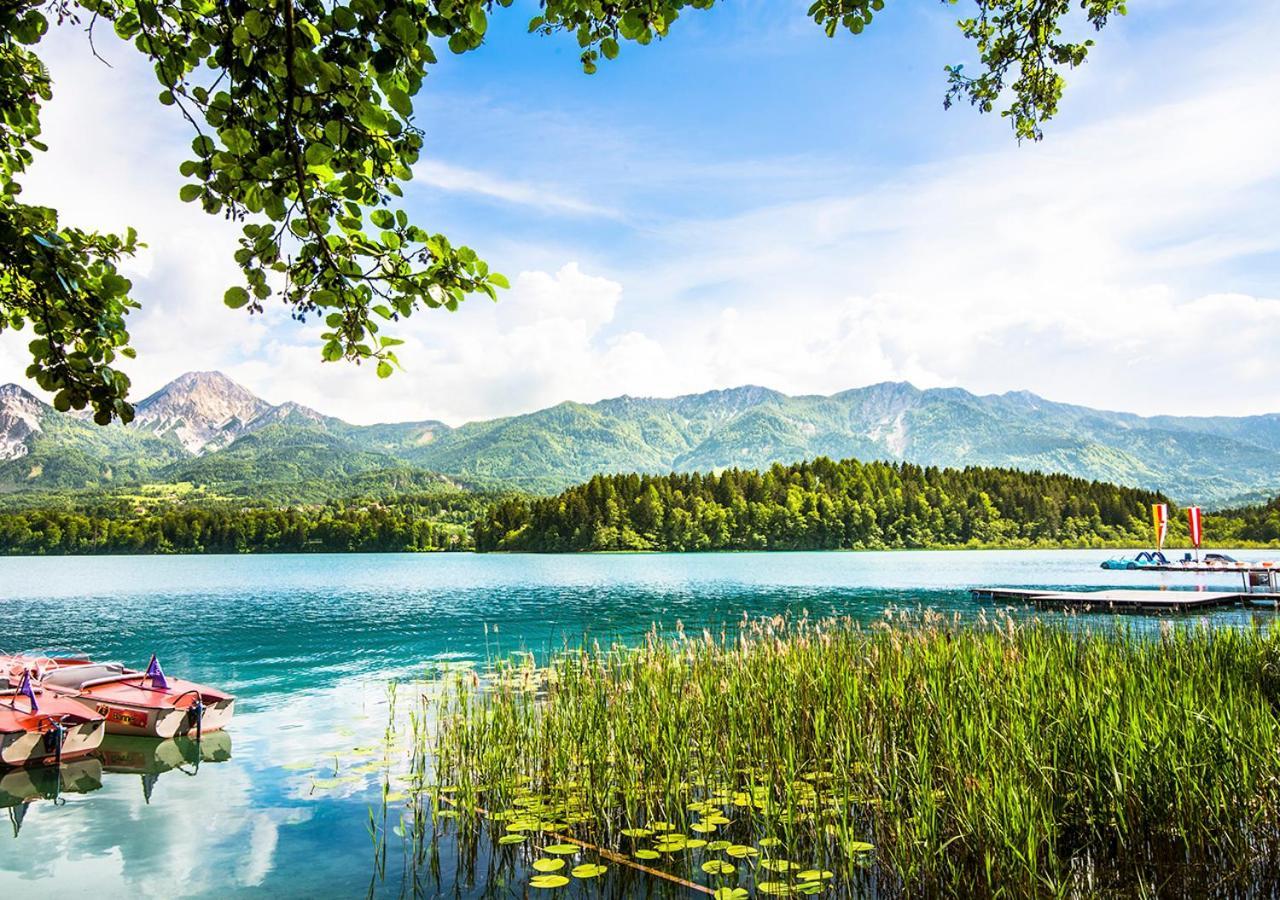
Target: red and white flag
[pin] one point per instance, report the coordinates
(1160, 519)
(1193, 520)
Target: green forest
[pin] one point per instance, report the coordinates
(407, 524)
(817, 505)
(849, 505)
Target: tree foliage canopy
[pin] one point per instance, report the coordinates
(303, 133)
(823, 505)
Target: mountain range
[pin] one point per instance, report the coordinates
(206, 429)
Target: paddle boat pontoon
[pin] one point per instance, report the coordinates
(145, 704)
(40, 726)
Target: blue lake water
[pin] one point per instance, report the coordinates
(308, 644)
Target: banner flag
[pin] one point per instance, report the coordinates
(1160, 519)
(1193, 520)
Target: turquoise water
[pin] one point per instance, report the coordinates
(308, 644)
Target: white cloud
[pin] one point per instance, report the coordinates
(446, 177)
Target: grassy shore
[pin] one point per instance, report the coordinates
(914, 756)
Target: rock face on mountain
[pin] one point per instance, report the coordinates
(203, 411)
(20, 414)
(205, 428)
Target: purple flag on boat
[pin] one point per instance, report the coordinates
(156, 674)
(28, 691)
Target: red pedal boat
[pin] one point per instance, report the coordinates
(137, 703)
(39, 726)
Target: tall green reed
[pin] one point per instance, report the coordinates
(1011, 759)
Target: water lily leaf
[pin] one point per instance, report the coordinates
(298, 766)
(774, 888)
(548, 881)
(561, 849)
(703, 827)
(662, 826)
(548, 865)
(647, 854)
(717, 846)
(511, 839)
(859, 847)
(779, 865)
(809, 887)
(769, 842)
(718, 867)
(637, 832)
(815, 875)
(741, 851)
(589, 870)
(730, 893)
(695, 843)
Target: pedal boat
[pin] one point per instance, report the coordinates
(42, 727)
(142, 704)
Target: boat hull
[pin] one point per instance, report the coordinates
(137, 720)
(27, 748)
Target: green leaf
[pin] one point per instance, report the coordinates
(235, 297)
(384, 368)
(400, 102)
(189, 192)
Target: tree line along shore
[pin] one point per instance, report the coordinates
(816, 505)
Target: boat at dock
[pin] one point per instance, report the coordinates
(39, 726)
(139, 703)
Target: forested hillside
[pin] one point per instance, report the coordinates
(440, 521)
(822, 505)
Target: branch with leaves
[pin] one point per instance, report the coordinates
(304, 135)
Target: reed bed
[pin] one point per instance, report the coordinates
(918, 755)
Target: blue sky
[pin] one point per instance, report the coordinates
(751, 202)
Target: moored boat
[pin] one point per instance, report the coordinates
(144, 704)
(39, 726)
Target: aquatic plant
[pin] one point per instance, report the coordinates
(918, 754)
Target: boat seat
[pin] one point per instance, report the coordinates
(76, 676)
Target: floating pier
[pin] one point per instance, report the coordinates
(1131, 600)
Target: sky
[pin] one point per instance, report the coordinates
(750, 202)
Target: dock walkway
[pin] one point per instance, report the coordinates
(1134, 600)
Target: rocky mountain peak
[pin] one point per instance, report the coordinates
(203, 410)
(20, 415)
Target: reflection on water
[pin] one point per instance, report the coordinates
(308, 643)
(20, 787)
(119, 755)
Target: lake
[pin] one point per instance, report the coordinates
(308, 643)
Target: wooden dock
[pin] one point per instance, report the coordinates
(1127, 600)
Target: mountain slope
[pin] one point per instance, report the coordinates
(205, 428)
(43, 448)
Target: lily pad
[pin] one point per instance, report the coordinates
(548, 881)
(717, 846)
(589, 870)
(647, 854)
(637, 832)
(511, 839)
(815, 875)
(779, 865)
(718, 867)
(561, 849)
(548, 865)
(774, 888)
(859, 847)
(730, 893)
(741, 851)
